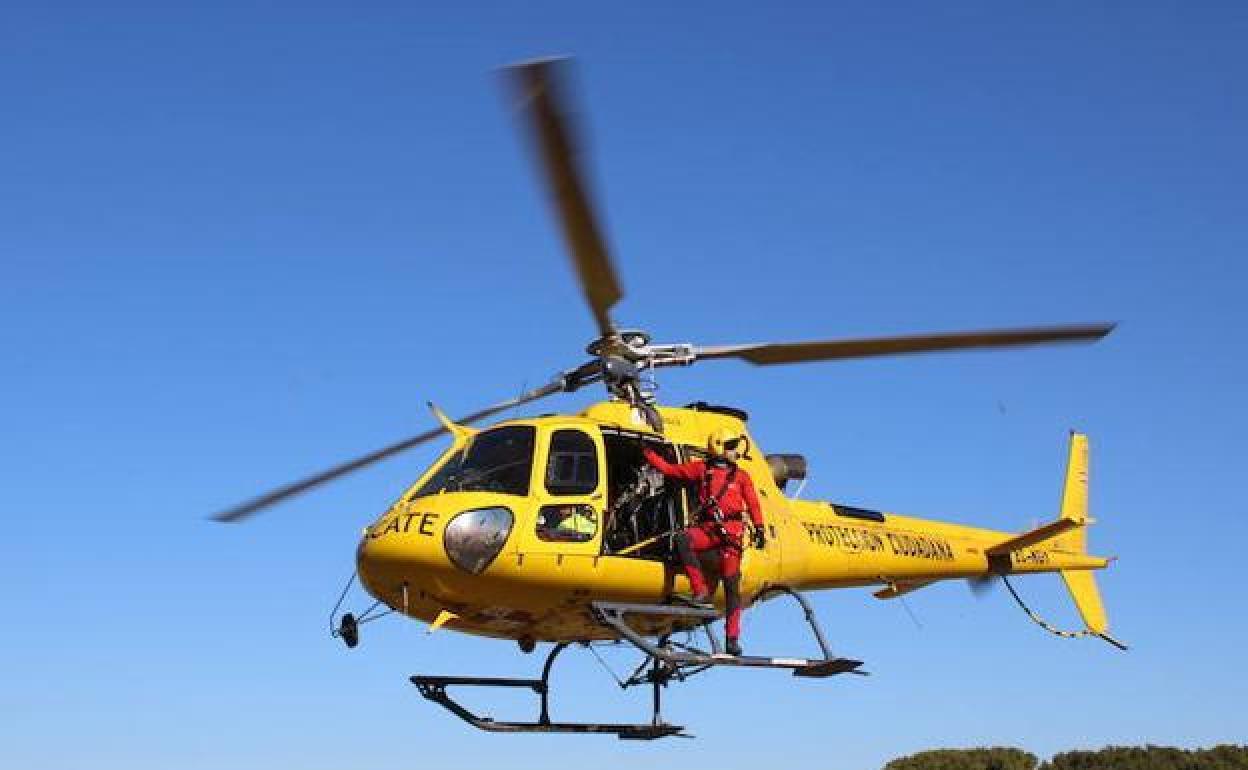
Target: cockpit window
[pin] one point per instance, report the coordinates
(437, 482)
(499, 460)
(572, 465)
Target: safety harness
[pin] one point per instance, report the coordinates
(710, 509)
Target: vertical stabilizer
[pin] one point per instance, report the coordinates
(1081, 583)
(1074, 507)
(1075, 490)
(1082, 587)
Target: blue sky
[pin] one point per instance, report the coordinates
(241, 241)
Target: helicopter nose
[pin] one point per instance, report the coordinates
(435, 544)
(387, 560)
(400, 538)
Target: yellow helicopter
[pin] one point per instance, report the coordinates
(554, 529)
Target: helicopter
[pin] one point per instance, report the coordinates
(480, 544)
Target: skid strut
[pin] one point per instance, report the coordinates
(434, 688)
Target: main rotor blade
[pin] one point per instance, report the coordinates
(287, 491)
(766, 354)
(544, 97)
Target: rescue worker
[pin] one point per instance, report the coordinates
(576, 523)
(725, 495)
(569, 523)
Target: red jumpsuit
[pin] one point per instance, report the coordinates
(735, 499)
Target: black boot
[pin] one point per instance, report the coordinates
(733, 647)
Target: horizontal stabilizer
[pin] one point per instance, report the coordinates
(1035, 536)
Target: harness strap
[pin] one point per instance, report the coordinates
(711, 507)
(712, 498)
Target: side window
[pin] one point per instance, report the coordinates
(572, 465)
(567, 523)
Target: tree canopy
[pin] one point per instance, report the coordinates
(966, 759)
(1227, 757)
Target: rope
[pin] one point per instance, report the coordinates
(644, 543)
(1039, 621)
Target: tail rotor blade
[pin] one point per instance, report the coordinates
(981, 587)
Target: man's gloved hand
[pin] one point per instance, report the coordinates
(760, 539)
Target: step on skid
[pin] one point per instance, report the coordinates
(690, 660)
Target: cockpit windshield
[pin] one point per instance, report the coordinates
(499, 460)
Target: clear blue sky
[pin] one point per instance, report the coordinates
(241, 241)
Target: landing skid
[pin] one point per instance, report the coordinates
(434, 688)
(665, 661)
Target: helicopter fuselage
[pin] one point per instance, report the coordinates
(480, 549)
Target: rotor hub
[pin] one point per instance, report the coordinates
(632, 344)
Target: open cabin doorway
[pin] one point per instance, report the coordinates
(644, 511)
